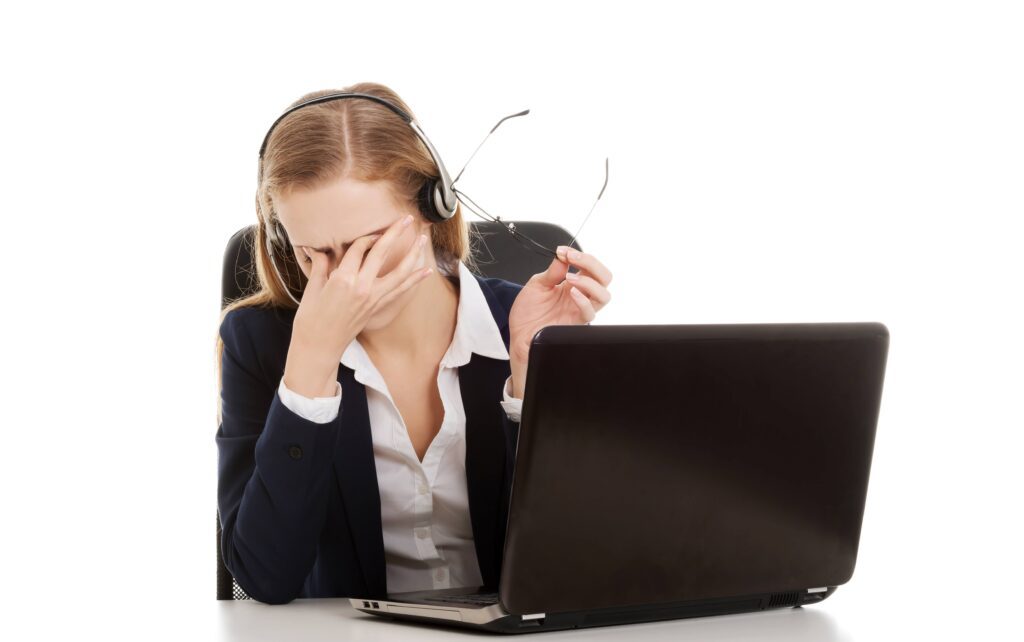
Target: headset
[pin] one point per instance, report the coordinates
(436, 199)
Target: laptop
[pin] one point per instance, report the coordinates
(671, 471)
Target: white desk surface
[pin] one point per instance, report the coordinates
(334, 619)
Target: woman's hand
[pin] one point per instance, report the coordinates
(336, 304)
(554, 297)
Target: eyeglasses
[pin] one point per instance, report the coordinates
(525, 240)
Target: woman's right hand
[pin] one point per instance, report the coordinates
(336, 305)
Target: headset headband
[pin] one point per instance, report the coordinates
(443, 190)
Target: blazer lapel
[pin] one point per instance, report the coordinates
(356, 472)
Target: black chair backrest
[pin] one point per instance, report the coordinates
(497, 254)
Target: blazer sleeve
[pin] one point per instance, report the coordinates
(274, 471)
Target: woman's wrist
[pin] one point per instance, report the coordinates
(311, 386)
(518, 367)
(309, 373)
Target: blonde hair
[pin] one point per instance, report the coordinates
(340, 139)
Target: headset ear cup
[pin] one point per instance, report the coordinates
(439, 198)
(282, 235)
(269, 240)
(425, 201)
(279, 250)
(272, 235)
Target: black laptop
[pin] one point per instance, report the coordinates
(669, 471)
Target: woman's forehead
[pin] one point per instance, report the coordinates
(336, 214)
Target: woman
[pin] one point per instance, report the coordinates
(367, 434)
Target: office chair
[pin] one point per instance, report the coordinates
(496, 252)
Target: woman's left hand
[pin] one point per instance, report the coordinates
(554, 297)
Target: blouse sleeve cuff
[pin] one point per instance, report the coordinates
(320, 410)
(513, 407)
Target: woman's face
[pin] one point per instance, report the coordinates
(331, 217)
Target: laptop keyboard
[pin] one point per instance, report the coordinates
(482, 599)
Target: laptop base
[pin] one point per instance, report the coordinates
(496, 619)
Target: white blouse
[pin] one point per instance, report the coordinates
(428, 537)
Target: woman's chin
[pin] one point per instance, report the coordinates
(377, 322)
(382, 318)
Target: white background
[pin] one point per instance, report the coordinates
(769, 162)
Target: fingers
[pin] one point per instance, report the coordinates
(377, 256)
(589, 286)
(598, 295)
(555, 273)
(413, 260)
(586, 262)
(584, 304)
(352, 260)
(318, 270)
(407, 274)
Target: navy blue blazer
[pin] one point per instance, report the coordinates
(298, 501)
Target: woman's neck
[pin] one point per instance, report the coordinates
(422, 332)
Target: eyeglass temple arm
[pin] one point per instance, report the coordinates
(522, 113)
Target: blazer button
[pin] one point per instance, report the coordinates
(295, 452)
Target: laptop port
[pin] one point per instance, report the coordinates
(376, 606)
(366, 604)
